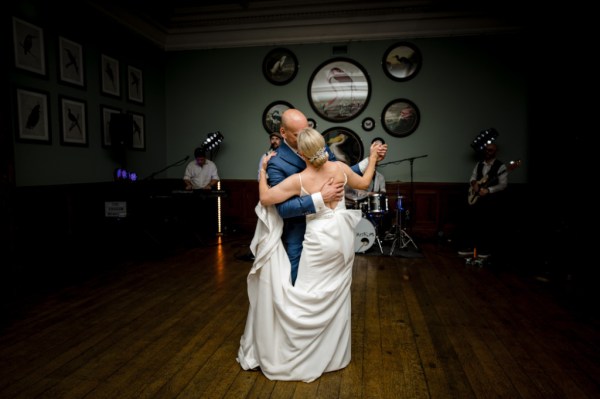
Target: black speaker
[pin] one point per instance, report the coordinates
(121, 130)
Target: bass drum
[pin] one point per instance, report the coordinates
(364, 236)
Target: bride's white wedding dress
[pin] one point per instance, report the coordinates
(297, 333)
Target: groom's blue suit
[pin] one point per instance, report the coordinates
(294, 210)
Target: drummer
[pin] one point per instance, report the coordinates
(355, 198)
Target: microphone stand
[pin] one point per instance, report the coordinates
(405, 239)
(180, 162)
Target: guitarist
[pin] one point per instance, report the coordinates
(488, 180)
(489, 176)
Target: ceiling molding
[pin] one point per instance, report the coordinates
(260, 23)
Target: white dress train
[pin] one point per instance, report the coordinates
(296, 333)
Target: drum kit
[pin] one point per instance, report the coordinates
(374, 207)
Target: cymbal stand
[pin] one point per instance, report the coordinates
(399, 233)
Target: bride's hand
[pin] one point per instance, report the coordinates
(374, 154)
(266, 159)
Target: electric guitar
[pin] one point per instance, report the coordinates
(482, 183)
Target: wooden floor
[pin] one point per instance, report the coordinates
(429, 327)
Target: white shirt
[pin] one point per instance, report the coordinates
(377, 186)
(502, 176)
(200, 176)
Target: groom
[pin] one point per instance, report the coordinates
(293, 211)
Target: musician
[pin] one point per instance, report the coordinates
(488, 181)
(201, 173)
(275, 139)
(495, 170)
(201, 176)
(354, 198)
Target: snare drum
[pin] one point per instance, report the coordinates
(377, 203)
(364, 235)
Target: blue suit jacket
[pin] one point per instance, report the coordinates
(285, 164)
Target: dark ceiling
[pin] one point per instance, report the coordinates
(194, 24)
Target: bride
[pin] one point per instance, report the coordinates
(297, 333)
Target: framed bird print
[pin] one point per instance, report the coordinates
(110, 77)
(135, 84)
(402, 61)
(400, 117)
(33, 117)
(280, 66)
(106, 113)
(339, 90)
(70, 62)
(73, 122)
(345, 145)
(28, 41)
(138, 141)
(272, 115)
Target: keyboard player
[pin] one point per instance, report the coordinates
(201, 173)
(201, 210)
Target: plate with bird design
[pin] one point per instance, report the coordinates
(339, 90)
(280, 66)
(344, 144)
(402, 61)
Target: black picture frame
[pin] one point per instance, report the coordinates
(271, 117)
(339, 89)
(32, 116)
(345, 144)
(135, 84)
(110, 76)
(280, 66)
(138, 141)
(400, 117)
(71, 68)
(106, 114)
(73, 122)
(402, 61)
(29, 47)
(312, 123)
(368, 124)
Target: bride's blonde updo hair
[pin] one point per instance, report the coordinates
(311, 144)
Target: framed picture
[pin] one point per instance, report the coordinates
(339, 90)
(70, 62)
(28, 42)
(106, 114)
(135, 84)
(33, 117)
(138, 142)
(73, 123)
(402, 61)
(280, 66)
(368, 124)
(400, 117)
(312, 123)
(110, 77)
(272, 115)
(344, 144)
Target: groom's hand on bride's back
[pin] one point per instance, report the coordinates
(331, 191)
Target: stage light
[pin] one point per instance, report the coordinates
(213, 141)
(484, 138)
